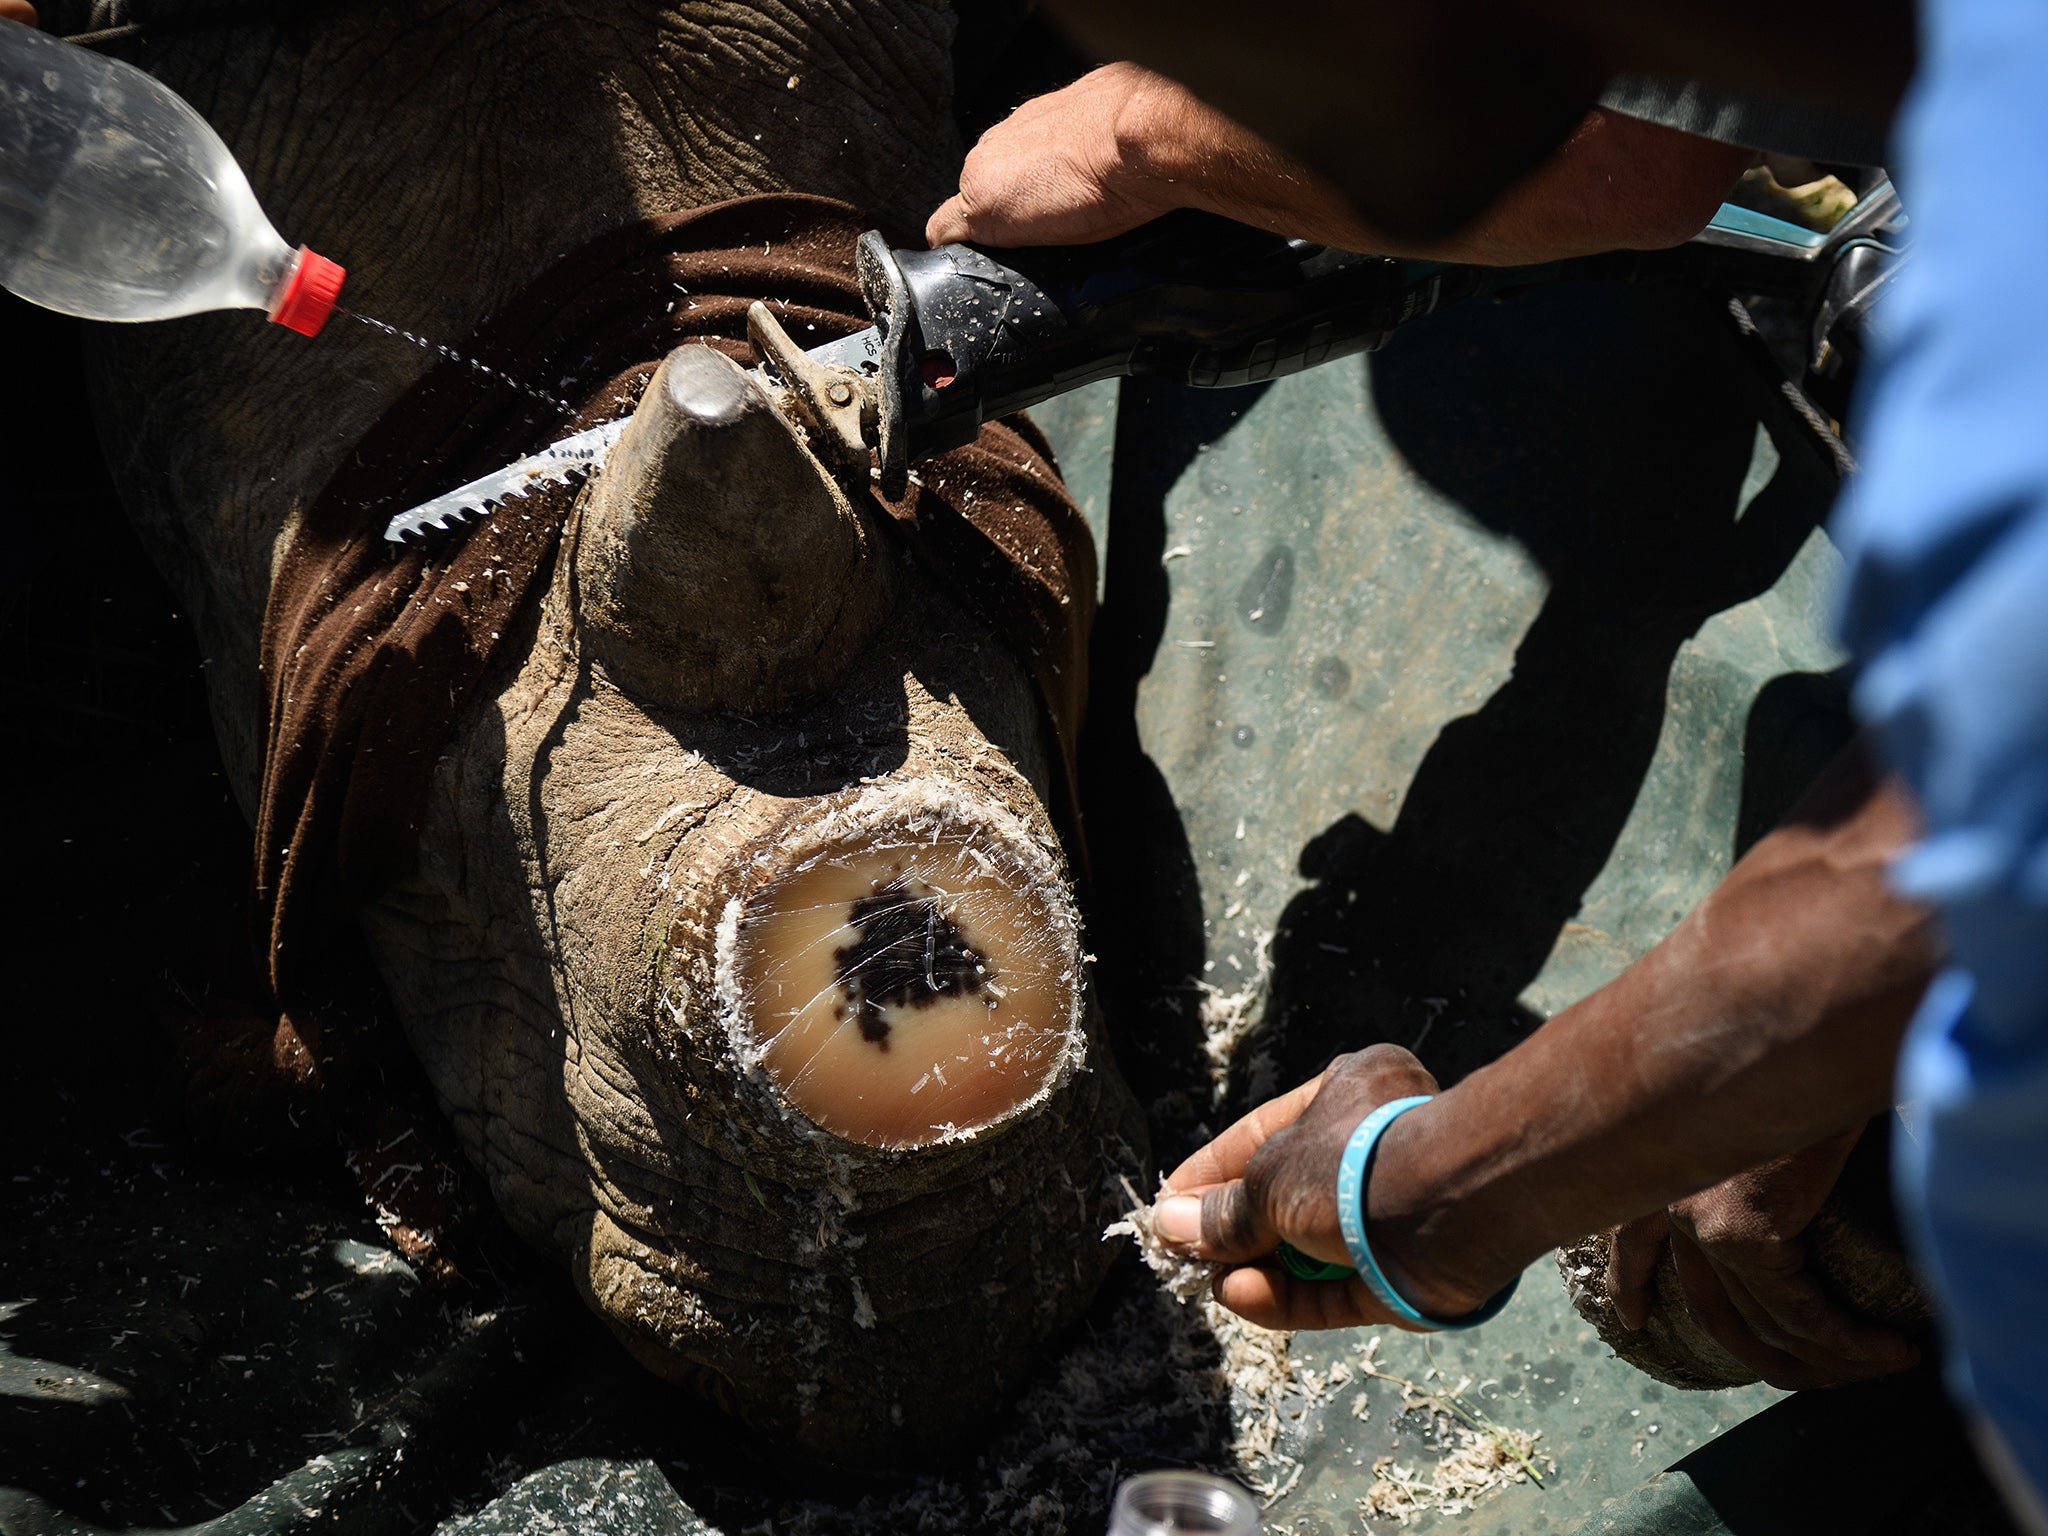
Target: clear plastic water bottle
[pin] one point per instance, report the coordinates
(1181, 1504)
(119, 202)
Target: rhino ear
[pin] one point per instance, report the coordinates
(719, 565)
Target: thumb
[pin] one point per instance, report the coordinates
(1632, 1257)
(948, 224)
(1234, 1229)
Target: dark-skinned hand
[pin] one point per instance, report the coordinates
(1273, 1176)
(18, 10)
(1740, 1251)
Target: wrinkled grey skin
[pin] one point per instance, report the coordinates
(553, 957)
(446, 153)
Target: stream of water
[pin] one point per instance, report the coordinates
(453, 356)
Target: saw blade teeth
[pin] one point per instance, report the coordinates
(558, 464)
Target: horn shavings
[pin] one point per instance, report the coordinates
(1228, 1017)
(1477, 1457)
(1261, 1375)
(1180, 1277)
(1268, 1388)
(1460, 1481)
(1255, 1366)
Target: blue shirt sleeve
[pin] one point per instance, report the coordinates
(1946, 535)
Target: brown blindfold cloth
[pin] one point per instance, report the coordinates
(371, 653)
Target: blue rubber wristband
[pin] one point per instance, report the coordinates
(1354, 1176)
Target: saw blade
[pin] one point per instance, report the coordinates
(572, 457)
(557, 464)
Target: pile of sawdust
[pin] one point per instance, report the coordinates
(1254, 1370)
(1478, 1457)
(1227, 1017)
(1474, 1468)
(1477, 1461)
(1258, 1373)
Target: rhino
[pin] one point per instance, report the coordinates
(732, 913)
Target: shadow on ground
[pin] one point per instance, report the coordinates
(1607, 431)
(1145, 911)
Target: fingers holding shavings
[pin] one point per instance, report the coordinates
(1182, 1277)
(1268, 1388)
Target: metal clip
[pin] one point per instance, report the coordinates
(837, 405)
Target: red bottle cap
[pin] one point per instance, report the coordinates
(306, 297)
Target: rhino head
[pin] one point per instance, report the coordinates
(738, 944)
(795, 1061)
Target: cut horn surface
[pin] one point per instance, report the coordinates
(908, 971)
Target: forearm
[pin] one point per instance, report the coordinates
(1617, 183)
(1121, 146)
(1425, 113)
(1767, 1021)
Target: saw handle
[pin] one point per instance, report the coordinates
(970, 334)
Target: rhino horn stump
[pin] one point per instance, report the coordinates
(876, 1027)
(718, 564)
